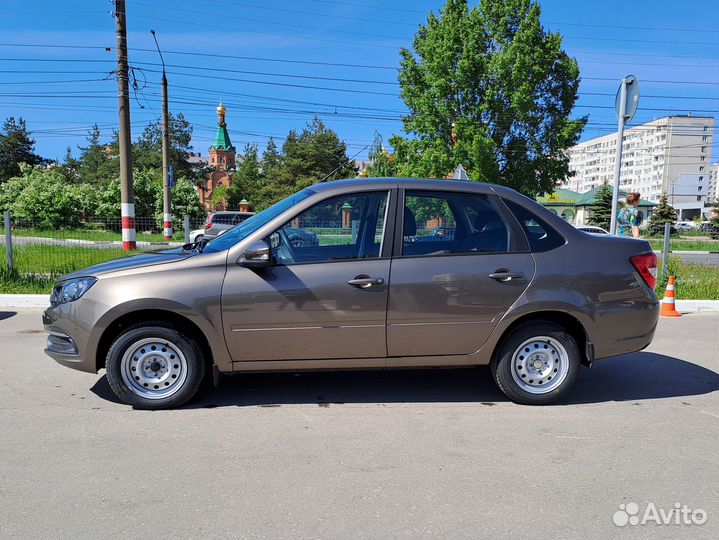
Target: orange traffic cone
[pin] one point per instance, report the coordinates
(668, 309)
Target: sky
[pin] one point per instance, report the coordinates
(277, 64)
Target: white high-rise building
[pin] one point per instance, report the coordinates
(669, 155)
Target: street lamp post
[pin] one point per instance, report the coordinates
(166, 198)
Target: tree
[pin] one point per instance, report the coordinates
(42, 197)
(663, 213)
(185, 202)
(16, 147)
(247, 181)
(315, 154)
(382, 163)
(271, 158)
(489, 88)
(601, 211)
(147, 150)
(96, 165)
(147, 185)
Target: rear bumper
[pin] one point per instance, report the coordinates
(626, 331)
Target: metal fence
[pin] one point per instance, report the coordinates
(46, 250)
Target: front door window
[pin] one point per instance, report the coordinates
(337, 229)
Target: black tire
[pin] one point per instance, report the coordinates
(502, 363)
(190, 366)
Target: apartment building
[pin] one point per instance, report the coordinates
(669, 155)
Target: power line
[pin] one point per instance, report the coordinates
(399, 23)
(370, 44)
(384, 7)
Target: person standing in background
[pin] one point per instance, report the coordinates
(629, 218)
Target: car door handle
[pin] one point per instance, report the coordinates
(505, 275)
(364, 282)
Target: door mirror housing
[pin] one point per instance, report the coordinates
(257, 255)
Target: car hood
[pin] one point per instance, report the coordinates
(148, 258)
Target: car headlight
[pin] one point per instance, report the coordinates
(70, 290)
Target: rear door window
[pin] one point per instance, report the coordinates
(445, 223)
(542, 236)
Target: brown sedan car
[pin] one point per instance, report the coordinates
(507, 284)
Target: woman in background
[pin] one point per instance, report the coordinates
(629, 218)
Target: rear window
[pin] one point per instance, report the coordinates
(541, 236)
(223, 219)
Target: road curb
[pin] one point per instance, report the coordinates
(24, 300)
(689, 306)
(43, 300)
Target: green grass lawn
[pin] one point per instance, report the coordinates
(692, 281)
(37, 267)
(685, 244)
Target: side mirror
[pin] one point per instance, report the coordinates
(257, 255)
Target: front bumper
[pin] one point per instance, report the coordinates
(68, 336)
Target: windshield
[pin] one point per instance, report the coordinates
(250, 225)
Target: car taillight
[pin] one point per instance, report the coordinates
(646, 265)
(208, 225)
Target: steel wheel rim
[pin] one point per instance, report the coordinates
(154, 368)
(540, 365)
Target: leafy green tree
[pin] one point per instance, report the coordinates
(219, 197)
(490, 88)
(247, 181)
(382, 165)
(42, 198)
(16, 147)
(147, 184)
(714, 221)
(601, 211)
(316, 153)
(663, 213)
(147, 150)
(271, 158)
(185, 202)
(96, 164)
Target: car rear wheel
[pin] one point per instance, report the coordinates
(536, 364)
(154, 366)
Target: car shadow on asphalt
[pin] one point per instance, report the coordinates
(7, 314)
(637, 376)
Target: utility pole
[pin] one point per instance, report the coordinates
(166, 197)
(127, 193)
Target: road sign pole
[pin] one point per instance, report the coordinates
(618, 157)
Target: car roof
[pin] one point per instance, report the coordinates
(406, 183)
(232, 213)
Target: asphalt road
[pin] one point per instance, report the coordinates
(403, 454)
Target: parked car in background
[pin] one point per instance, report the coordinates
(516, 288)
(685, 226)
(221, 221)
(591, 229)
(197, 235)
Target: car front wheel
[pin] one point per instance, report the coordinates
(536, 364)
(154, 366)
